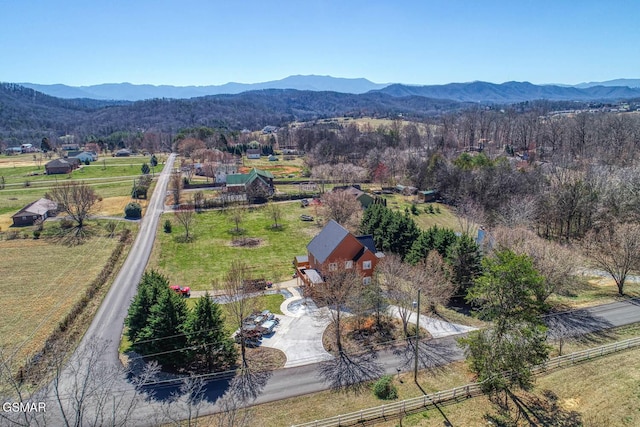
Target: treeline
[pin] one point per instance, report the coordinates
(161, 327)
(396, 233)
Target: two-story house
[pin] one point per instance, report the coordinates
(333, 248)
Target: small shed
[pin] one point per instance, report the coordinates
(428, 196)
(253, 153)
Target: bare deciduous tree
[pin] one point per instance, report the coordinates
(186, 217)
(236, 215)
(342, 207)
(239, 305)
(433, 276)
(396, 277)
(617, 251)
(77, 200)
(341, 285)
(175, 183)
(275, 213)
(198, 200)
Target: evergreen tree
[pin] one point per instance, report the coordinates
(206, 335)
(465, 260)
(150, 286)
(163, 337)
(145, 169)
(516, 341)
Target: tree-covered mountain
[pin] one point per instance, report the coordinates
(512, 92)
(132, 92)
(27, 115)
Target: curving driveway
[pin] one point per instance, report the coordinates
(299, 334)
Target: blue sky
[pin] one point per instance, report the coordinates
(205, 42)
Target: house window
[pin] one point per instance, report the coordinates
(366, 280)
(366, 265)
(333, 266)
(348, 264)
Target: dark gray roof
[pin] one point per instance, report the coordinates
(326, 241)
(57, 163)
(367, 241)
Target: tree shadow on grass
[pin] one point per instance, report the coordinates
(536, 410)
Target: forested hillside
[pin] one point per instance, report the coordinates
(27, 115)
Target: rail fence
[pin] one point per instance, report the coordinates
(429, 401)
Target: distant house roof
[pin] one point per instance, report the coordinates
(61, 163)
(39, 207)
(327, 241)
(248, 178)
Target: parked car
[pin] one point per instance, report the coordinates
(185, 292)
(306, 217)
(304, 203)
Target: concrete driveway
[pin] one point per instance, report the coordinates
(299, 333)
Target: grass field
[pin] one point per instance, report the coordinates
(197, 264)
(280, 169)
(604, 392)
(446, 218)
(19, 169)
(113, 183)
(41, 280)
(593, 291)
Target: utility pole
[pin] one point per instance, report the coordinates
(415, 366)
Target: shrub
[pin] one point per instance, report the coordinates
(167, 226)
(384, 388)
(414, 210)
(66, 224)
(133, 210)
(36, 234)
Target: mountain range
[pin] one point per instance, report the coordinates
(465, 92)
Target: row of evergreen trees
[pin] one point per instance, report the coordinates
(162, 327)
(396, 232)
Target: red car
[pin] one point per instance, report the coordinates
(185, 292)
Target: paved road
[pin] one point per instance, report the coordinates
(109, 320)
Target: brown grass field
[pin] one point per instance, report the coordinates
(604, 392)
(41, 280)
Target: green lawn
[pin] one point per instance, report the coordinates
(111, 181)
(445, 218)
(197, 264)
(109, 168)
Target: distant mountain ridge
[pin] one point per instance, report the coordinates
(132, 92)
(478, 91)
(512, 92)
(633, 83)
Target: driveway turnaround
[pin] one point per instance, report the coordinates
(299, 334)
(437, 328)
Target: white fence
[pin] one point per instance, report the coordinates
(399, 409)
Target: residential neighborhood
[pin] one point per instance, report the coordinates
(320, 214)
